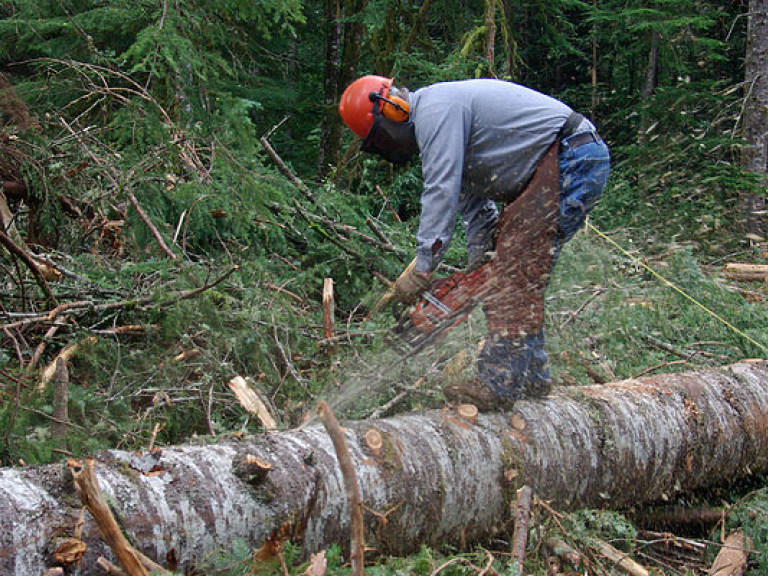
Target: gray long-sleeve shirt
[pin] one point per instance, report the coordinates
(479, 140)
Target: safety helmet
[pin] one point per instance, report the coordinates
(362, 96)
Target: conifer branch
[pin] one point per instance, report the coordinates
(20, 253)
(286, 171)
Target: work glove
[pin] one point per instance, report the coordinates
(410, 286)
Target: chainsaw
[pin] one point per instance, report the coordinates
(449, 302)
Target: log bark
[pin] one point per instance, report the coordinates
(755, 154)
(437, 478)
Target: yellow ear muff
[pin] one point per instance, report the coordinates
(395, 108)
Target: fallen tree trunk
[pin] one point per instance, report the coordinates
(433, 478)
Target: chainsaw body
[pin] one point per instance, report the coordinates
(450, 301)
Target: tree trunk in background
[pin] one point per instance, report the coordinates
(16, 118)
(755, 155)
(353, 35)
(650, 82)
(440, 478)
(490, 36)
(331, 126)
(652, 68)
(345, 73)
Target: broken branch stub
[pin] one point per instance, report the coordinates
(88, 489)
(252, 402)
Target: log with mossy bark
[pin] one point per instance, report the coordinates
(429, 478)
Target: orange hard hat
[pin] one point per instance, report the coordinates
(357, 103)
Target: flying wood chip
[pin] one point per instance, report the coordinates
(70, 551)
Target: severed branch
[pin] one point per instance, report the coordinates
(50, 371)
(128, 329)
(81, 306)
(384, 409)
(90, 494)
(328, 312)
(746, 272)
(357, 545)
(40, 349)
(281, 290)
(109, 568)
(20, 253)
(564, 552)
(342, 228)
(252, 402)
(149, 224)
(330, 225)
(283, 167)
(287, 360)
(619, 558)
(520, 533)
(112, 174)
(60, 403)
(375, 229)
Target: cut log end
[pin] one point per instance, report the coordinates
(374, 441)
(517, 422)
(468, 412)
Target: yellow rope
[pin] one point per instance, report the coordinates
(675, 288)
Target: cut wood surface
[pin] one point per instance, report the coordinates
(437, 478)
(746, 271)
(252, 402)
(732, 558)
(620, 559)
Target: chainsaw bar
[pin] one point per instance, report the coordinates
(409, 339)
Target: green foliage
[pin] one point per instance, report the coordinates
(585, 525)
(630, 313)
(683, 167)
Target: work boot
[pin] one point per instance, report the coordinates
(515, 367)
(472, 391)
(507, 369)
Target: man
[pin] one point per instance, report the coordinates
(483, 141)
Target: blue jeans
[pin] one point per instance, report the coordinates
(583, 175)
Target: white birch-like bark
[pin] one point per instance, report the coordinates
(440, 478)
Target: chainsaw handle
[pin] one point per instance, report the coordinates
(386, 300)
